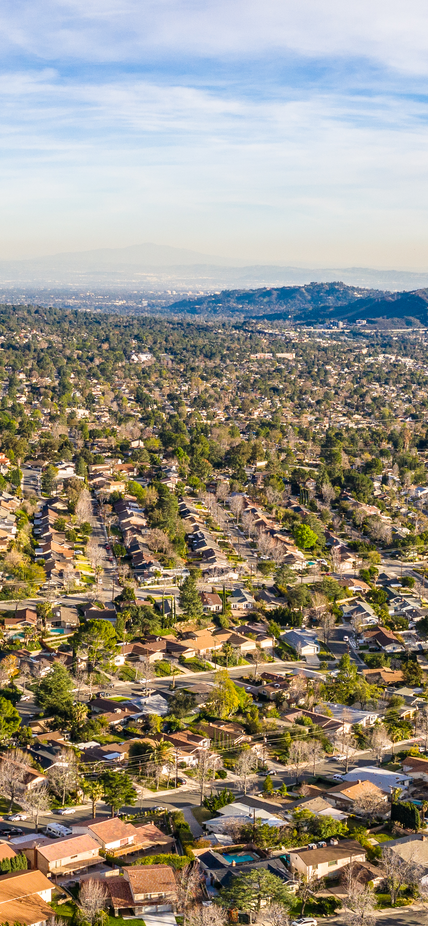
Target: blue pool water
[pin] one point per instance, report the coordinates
(57, 630)
(239, 858)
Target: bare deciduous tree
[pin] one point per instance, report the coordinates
(297, 688)
(36, 802)
(298, 756)
(198, 915)
(245, 767)
(328, 492)
(360, 905)
(274, 915)
(397, 872)
(236, 503)
(327, 623)
(146, 672)
(95, 555)
(422, 723)
(207, 762)
(379, 741)
(84, 507)
(12, 776)
(222, 491)
(308, 884)
(93, 899)
(379, 529)
(315, 753)
(159, 541)
(189, 882)
(63, 776)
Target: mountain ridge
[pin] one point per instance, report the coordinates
(314, 303)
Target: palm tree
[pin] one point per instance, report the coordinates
(161, 754)
(94, 789)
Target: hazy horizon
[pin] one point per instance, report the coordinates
(289, 133)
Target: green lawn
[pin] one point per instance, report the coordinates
(4, 806)
(196, 665)
(66, 910)
(201, 814)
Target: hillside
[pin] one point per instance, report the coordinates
(313, 303)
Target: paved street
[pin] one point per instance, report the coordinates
(416, 915)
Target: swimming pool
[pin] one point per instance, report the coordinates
(239, 858)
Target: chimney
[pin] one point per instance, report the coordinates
(233, 863)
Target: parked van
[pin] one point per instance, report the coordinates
(57, 829)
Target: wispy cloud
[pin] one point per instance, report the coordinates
(290, 130)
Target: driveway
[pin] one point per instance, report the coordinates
(160, 919)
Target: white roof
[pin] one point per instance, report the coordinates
(378, 776)
(333, 812)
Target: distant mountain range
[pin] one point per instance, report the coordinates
(158, 267)
(315, 303)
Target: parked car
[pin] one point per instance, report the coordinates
(64, 810)
(305, 921)
(338, 778)
(15, 817)
(26, 697)
(9, 831)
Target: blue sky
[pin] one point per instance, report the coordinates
(289, 131)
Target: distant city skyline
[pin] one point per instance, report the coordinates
(287, 132)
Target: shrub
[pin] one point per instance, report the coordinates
(177, 862)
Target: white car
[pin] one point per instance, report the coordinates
(25, 698)
(66, 810)
(18, 816)
(338, 778)
(305, 921)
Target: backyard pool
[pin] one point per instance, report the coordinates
(239, 858)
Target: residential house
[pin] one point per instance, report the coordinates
(328, 724)
(357, 796)
(383, 639)
(384, 677)
(24, 898)
(383, 778)
(414, 849)
(119, 838)
(352, 715)
(318, 806)
(101, 614)
(303, 643)
(68, 855)
(28, 777)
(241, 600)
(152, 650)
(260, 637)
(229, 870)
(211, 602)
(360, 613)
(187, 745)
(143, 889)
(227, 734)
(325, 862)
(415, 768)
